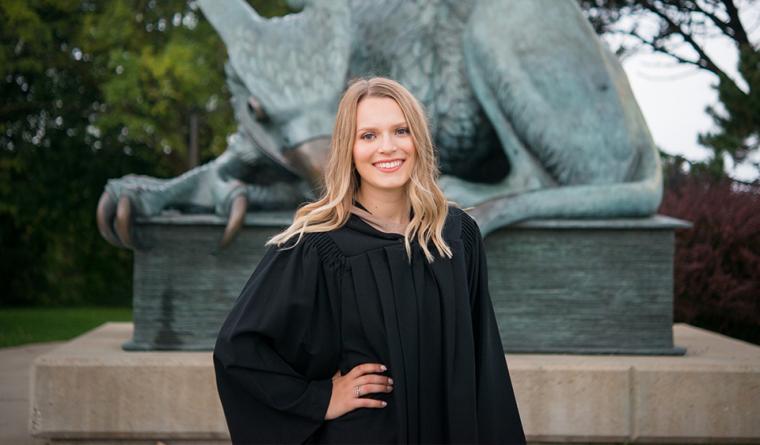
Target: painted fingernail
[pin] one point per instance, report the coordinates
(385, 403)
(383, 368)
(390, 380)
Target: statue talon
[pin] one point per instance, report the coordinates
(124, 199)
(236, 220)
(104, 215)
(124, 221)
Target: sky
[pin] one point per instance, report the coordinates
(673, 96)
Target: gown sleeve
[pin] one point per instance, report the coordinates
(498, 415)
(278, 349)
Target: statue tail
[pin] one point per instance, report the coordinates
(619, 200)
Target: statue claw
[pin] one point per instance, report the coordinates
(237, 217)
(103, 216)
(124, 221)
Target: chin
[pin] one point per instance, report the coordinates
(390, 184)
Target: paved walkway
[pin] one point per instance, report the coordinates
(15, 365)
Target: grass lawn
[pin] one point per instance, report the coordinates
(19, 326)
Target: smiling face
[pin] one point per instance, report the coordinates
(384, 151)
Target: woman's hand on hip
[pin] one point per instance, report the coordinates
(344, 396)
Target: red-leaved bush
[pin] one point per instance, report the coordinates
(717, 261)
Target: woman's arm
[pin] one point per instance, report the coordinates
(278, 349)
(498, 416)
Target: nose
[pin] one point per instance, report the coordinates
(387, 144)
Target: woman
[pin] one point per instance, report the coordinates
(373, 322)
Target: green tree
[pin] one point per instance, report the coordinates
(94, 90)
(158, 65)
(682, 28)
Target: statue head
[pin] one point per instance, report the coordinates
(286, 75)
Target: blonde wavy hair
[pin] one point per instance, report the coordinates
(342, 180)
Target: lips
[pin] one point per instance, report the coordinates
(390, 165)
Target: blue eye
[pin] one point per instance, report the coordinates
(404, 130)
(364, 136)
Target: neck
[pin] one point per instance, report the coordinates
(394, 208)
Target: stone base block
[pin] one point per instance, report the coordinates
(91, 391)
(558, 286)
(183, 285)
(595, 286)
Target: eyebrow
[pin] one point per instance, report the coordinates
(400, 124)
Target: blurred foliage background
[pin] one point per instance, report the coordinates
(93, 90)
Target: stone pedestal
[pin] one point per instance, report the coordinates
(585, 286)
(184, 285)
(564, 286)
(90, 391)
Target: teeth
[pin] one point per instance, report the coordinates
(388, 164)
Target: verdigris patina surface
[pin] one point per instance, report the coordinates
(533, 117)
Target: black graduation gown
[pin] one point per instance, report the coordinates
(346, 297)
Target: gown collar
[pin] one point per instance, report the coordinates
(361, 219)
